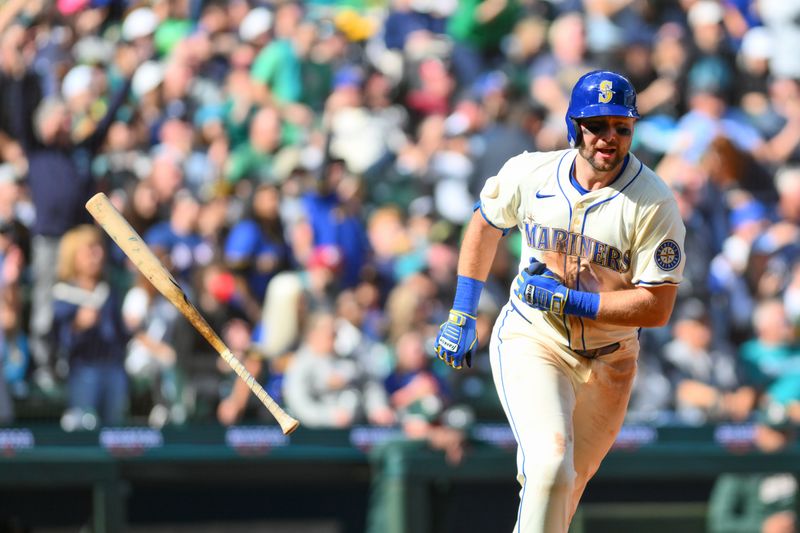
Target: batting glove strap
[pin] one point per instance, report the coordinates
(456, 339)
(546, 293)
(545, 299)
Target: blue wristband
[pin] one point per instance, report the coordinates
(468, 293)
(583, 304)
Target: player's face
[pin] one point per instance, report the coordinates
(606, 141)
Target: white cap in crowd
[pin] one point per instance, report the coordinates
(77, 80)
(147, 77)
(257, 22)
(140, 22)
(757, 43)
(705, 12)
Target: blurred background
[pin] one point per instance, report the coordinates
(305, 170)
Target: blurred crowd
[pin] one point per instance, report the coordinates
(305, 171)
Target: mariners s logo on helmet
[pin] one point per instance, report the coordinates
(605, 92)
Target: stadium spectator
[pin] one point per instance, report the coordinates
(353, 340)
(779, 19)
(772, 360)
(19, 84)
(253, 160)
(256, 249)
(150, 359)
(710, 43)
(89, 332)
(276, 68)
(322, 389)
(411, 305)
(14, 351)
(781, 122)
(177, 241)
(731, 282)
(407, 20)
(706, 379)
(141, 206)
(334, 211)
(500, 130)
(752, 75)
(477, 28)
(553, 74)
(417, 394)
(60, 182)
(431, 90)
(776, 250)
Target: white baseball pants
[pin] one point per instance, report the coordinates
(565, 412)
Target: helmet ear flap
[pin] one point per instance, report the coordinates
(574, 136)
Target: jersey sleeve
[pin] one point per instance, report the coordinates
(659, 257)
(500, 197)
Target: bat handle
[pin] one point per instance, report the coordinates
(287, 423)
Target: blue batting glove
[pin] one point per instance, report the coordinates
(457, 339)
(541, 289)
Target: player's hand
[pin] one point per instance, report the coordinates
(538, 287)
(457, 339)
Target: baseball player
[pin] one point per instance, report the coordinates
(602, 256)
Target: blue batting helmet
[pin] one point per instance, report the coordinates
(599, 93)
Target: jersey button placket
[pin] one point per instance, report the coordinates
(576, 218)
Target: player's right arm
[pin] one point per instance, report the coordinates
(457, 337)
(478, 248)
(496, 211)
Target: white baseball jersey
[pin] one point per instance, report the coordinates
(624, 235)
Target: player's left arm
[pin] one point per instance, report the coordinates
(641, 307)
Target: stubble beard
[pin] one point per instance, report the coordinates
(601, 166)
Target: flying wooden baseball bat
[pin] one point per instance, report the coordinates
(143, 258)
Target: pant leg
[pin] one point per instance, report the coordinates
(600, 408)
(114, 401)
(537, 393)
(85, 385)
(43, 270)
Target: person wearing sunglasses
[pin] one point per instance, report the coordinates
(602, 256)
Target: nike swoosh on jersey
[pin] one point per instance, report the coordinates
(540, 195)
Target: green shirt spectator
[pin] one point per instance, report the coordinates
(237, 126)
(765, 363)
(248, 163)
(278, 67)
(253, 159)
(483, 23)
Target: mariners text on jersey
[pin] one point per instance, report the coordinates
(577, 245)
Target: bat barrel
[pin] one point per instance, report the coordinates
(148, 264)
